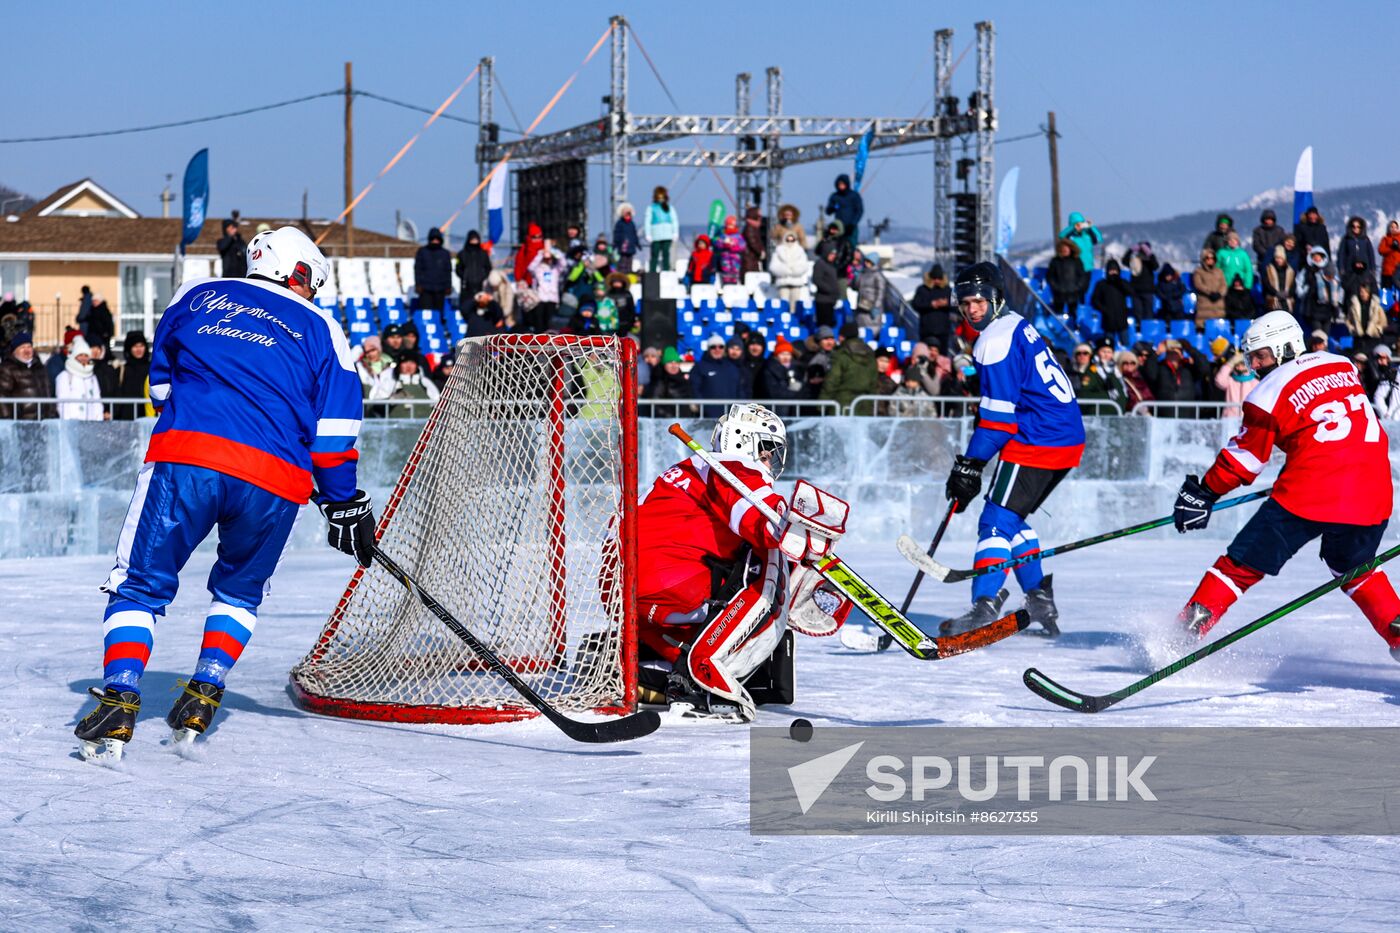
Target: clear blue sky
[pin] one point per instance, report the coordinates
(1162, 107)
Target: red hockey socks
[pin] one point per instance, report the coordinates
(1376, 598)
(1222, 584)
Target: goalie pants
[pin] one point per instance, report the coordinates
(1271, 538)
(1003, 533)
(173, 509)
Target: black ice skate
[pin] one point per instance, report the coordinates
(1040, 605)
(1196, 619)
(106, 730)
(686, 700)
(194, 711)
(983, 612)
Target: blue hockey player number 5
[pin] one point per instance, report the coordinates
(1054, 376)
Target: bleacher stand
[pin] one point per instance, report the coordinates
(384, 280)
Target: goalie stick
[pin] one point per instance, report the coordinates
(633, 726)
(1060, 695)
(911, 551)
(880, 610)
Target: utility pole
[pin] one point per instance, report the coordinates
(349, 162)
(166, 197)
(1054, 176)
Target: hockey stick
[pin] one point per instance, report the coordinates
(909, 548)
(1060, 695)
(880, 610)
(632, 726)
(886, 640)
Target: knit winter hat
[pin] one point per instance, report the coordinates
(23, 337)
(1219, 345)
(669, 355)
(782, 345)
(79, 347)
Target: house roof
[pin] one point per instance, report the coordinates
(55, 203)
(54, 234)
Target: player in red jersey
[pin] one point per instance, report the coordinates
(718, 585)
(1335, 482)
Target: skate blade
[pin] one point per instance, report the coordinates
(688, 714)
(182, 742)
(857, 639)
(102, 750)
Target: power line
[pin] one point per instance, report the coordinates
(173, 124)
(446, 116)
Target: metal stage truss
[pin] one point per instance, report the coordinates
(770, 142)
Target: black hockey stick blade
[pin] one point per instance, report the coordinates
(632, 726)
(1060, 695)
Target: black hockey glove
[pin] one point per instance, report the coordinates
(965, 481)
(1193, 504)
(350, 527)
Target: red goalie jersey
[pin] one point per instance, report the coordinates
(691, 514)
(1338, 457)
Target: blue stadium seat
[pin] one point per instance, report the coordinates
(1219, 327)
(1090, 322)
(1154, 331)
(1241, 327)
(1182, 330)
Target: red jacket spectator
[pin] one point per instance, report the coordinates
(1390, 253)
(534, 242)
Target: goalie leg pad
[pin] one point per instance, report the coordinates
(740, 637)
(775, 681)
(816, 607)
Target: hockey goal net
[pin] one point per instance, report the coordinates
(516, 512)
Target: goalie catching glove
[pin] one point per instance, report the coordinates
(350, 527)
(816, 520)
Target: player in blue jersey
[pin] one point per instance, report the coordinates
(1028, 417)
(259, 403)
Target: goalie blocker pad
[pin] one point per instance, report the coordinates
(816, 520)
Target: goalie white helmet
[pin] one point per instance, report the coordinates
(287, 253)
(749, 431)
(1277, 330)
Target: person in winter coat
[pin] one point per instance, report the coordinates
(1385, 394)
(1113, 299)
(547, 272)
(1218, 238)
(1390, 254)
(596, 314)
(432, 272)
(503, 293)
(1319, 292)
(755, 243)
(484, 317)
(1267, 237)
(1175, 375)
(781, 378)
(233, 252)
(933, 302)
(730, 247)
(1365, 317)
(100, 326)
(701, 269)
(134, 375)
(853, 371)
(816, 363)
(620, 294)
(1208, 283)
(716, 376)
(582, 278)
(23, 376)
(1067, 279)
(376, 371)
(845, 251)
(830, 288)
(473, 266)
(1278, 281)
(667, 382)
(755, 355)
(1356, 258)
(1084, 235)
(76, 387)
(625, 239)
(846, 206)
(871, 289)
(662, 227)
(1135, 387)
(1171, 293)
(1239, 302)
(1310, 231)
(789, 221)
(1235, 380)
(525, 254)
(409, 384)
(1234, 261)
(791, 270)
(1143, 265)
(1097, 375)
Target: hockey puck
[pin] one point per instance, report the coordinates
(800, 730)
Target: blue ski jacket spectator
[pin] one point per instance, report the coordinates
(432, 266)
(846, 206)
(625, 239)
(1171, 291)
(1084, 235)
(716, 376)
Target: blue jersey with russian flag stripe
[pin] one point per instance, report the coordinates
(1028, 412)
(255, 382)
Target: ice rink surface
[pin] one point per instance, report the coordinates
(282, 820)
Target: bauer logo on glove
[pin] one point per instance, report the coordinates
(816, 521)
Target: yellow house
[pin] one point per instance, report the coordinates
(82, 234)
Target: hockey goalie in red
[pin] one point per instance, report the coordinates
(1335, 482)
(718, 585)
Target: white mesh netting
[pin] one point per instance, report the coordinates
(509, 513)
